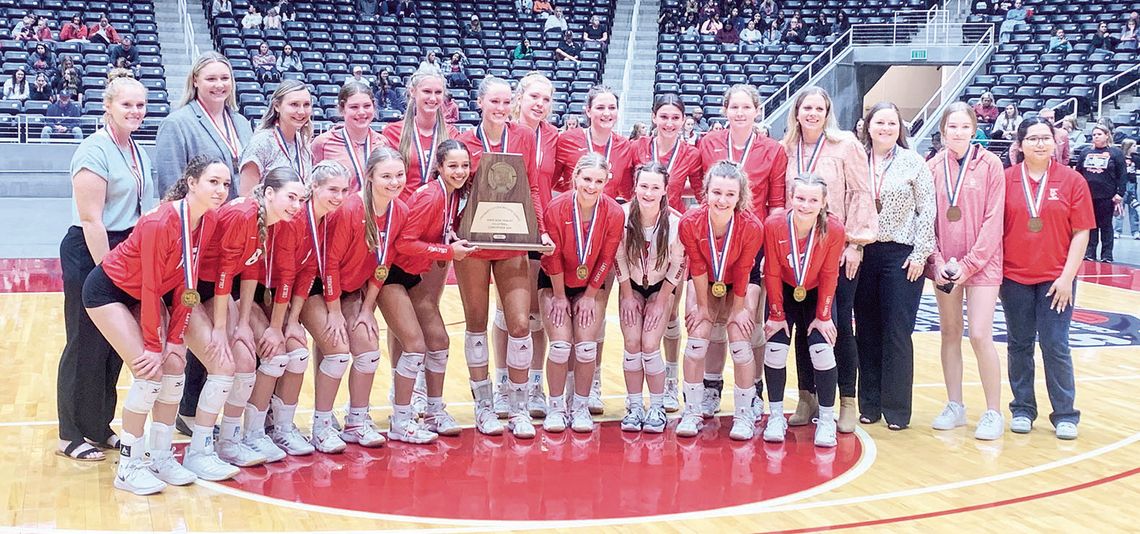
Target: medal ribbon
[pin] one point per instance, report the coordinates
(747, 148)
(295, 159)
(384, 237)
(876, 177)
(953, 191)
(134, 161)
(1034, 204)
(800, 262)
(486, 145)
(318, 245)
(357, 166)
(450, 205)
(590, 142)
(227, 131)
(268, 258)
(425, 163)
(189, 258)
(716, 258)
(583, 246)
(672, 155)
(538, 146)
(814, 156)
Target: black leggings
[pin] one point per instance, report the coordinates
(799, 316)
(846, 352)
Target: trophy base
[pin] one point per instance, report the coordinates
(491, 245)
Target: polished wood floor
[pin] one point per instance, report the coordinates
(916, 480)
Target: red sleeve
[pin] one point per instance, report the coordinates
(152, 238)
(423, 217)
(777, 179)
(234, 238)
(691, 239)
(752, 238)
(829, 270)
(318, 148)
(339, 240)
(615, 222)
(552, 263)
(285, 261)
(526, 145)
(773, 263)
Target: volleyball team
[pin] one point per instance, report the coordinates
(266, 237)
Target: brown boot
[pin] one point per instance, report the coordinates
(848, 415)
(806, 410)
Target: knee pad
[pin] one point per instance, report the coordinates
(141, 396)
(535, 322)
(410, 364)
(172, 386)
(214, 393)
(822, 356)
(653, 363)
(275, 366)
(776, 355)
(696, 348)
(673, 329)
(335, 365)
(243, 387)
(366, 363)
(436, 361)
(559, 352)
(500, 319)
(520, 351)
(298, 361)
(586, 352)
(719, 333)
(632, 362)
(741, 352)
(475, 348)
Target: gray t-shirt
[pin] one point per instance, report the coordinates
(122, 205)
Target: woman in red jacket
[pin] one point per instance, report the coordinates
(586, 227)
(721, 239)
(352, 142)
(417, 144)
(159, 258)
(496, 134)
(803, 245)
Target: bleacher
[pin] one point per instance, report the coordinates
(330, 46)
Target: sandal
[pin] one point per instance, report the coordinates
(867, 420)
(109, 444)
(81, 451)
(896, 427)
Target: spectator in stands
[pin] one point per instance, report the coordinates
(103, 32)
(431, 61)
(1104, 168)
(73, 30)
(1076, 136)
(557, 21)
(450, 109)
(70, 80)
(769, 9)
(1005, 127)
(252, 19)
(17, 87)
(772, 35)
(841, 24)
(1128, 148)
(474, 28)
(41, 89)
(29, 21)
(571, 122)
(1059, 44)
(1013, 17)
(265, 64)
(699, 120)
(367, 8)
(690, 133)
(542, 8)
(522, 51)
(388, 96)
(42, 60)
(638, 131)
(42, 32)
(222, 7)
(287, 11)
(736, 20)
(62, 118)
(595, 32)
(750, 34)
(1103, 40)
(822, 27)
(711, 25)
(272, 20)
(455, 69)
(358, 77)
(985, 109)
(290, 61)
(568, 49)
(524, 6)
(728, 35)
(407, 9)
(1128, 34)
(795, 33)
(26, 34)
(124, 55)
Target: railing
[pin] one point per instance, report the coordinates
(806, 73)
(1101, 97)
(956, 80)
(187, 31)
(1070, 102)
(912, 34)
(27, 128)
(921, 16)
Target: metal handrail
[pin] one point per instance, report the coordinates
(187, 30)
(934, 33)
(806, 73)
(1100, 98)
(976, 53)
(1071, 100)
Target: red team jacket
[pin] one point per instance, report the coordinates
(822, 272)
(546, 161)
(571, 148)
(686, 169)
(747, 238)
(421, 241)
(234, 248)
(608, 232)
(392, 132)
(766, 168)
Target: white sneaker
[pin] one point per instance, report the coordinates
(521, 425)
(208, 466)
(595, 404)
(409, 431)
(1066, 431)
(239, 454)
(363, 432)
(634, 418)
(134, 475)
(536, 402)
(690, 424)
(581, 421)
(327, 440)
(290, 439)
(261, 443)
(710, 404)
(990, 427)
(655, 421)
(743, 425)
(167, 469)
(502, 401)
(555, 421)
(952, 416)
(442, 423)
(776, 429)
(825, 433)
(671, 403)
(1021, 425)
(487, 421)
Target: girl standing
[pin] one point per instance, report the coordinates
(283, 137)
(352, 142)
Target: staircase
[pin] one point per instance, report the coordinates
(629, 63)
(176, 56)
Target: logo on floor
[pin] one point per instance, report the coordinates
(1090, 328)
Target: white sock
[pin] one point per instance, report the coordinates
(694, 393)
(357, 413)
(536, 377)
(742, 397)
(254, 419)
(435, 404)
(776, 409)
(231, 428)
(827, 413)
(402, 412)
(283, 414)
(200, 436)
(656, 400)
(322, 419)
(671, 369)
(714, 376)
(634, 399)
(501, 376)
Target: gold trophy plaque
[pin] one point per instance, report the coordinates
(500, 214)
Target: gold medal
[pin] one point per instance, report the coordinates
(381, 273)
(191, 298)
(719, 289)
(878, 206)
(953, 214)
(1036, 224)
(799, 293)
(583, 272)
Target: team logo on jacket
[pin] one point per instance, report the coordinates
(1089, 329)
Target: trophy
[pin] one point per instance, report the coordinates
(500, 213)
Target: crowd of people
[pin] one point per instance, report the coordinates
(747, 21)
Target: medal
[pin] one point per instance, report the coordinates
(450, 204)
(953, 214)
(810, 167)
(878, 206)
(381, 273)
(878, 177)
(954, 190)
(583, 272)
(718, 258)
(744, 153)
(358, 166)
(425, 162)
(226, 131)
(382, 247)
(295, 160)
(190, 296)
(719, 289)
(800, 262)
(799, 293)
(538, 146)
(582, 246)
(1036, 223)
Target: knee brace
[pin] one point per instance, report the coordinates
(243, 387)
(696, 348)
(586, 352)
(410, 364)
(141, 396)
(719, 333)
(535, 322)
(653, 363)
(214, 393)
(632, 362)
(741, 352)
(822, 356)
(673, 329)
(475, 348)
(172, 386)
(335, 365)
(274, 366)
(366, 363)
(776, 355)
(436, 361)
(298, 361)
(500, 319)
(559, 352)
(520, 351)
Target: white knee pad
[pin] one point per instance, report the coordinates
(741, 352)
(632, 362)
(214, 393)
(586, 351)
(475, 348)
(559, 352)
(243, 387)
(172, 386)
(653, 363)
(673, 329)
(410, 364)
(535, 322)
(822, 356)
(298, 361)
(500, 319)
(141, 396)
(436, 361)
(367, 362)
(520, 351)
(776, 355)
(274, 366)
(695, 348)
(335, 365)
(719, 333)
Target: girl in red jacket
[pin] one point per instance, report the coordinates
(586, 227)
(802, 245)
(721, 239)
(156, 270)
(422, 129)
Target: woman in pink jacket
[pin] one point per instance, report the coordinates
(967, 261)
